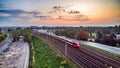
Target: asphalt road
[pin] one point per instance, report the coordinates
(6, 43)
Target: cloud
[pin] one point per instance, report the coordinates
(73, 12)
(61, 9)
(15, 13)
(57, 14)
(43, 17)
(7, 14)
(16, 19)
(81, 17)
(4, 14)
(62, 13)
(57, 9)
(2, 6)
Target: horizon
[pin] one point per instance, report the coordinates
(61, 26)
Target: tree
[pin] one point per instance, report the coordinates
(82, 35)
(16, 33)
(99, 34)
(73, 33)
(27, 35)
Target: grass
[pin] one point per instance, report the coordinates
(43, 56)
(102, 51)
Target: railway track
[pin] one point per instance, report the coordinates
(83, 57)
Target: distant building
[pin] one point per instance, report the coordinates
(92, 37)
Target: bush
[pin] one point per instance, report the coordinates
(2, 37)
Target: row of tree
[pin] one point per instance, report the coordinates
(73, 33)
(16, 33)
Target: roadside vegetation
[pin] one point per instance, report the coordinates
(2, 37)
(43, 56)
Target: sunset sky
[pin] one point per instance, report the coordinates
(59, 12)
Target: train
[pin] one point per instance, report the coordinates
(75, 44)
(71, 43)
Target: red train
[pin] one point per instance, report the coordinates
(74, 44)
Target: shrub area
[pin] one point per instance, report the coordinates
(44, 57)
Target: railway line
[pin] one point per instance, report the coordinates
(83, 57)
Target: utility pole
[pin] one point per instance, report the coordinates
(66, 48)
(76, 35)
(47, 34)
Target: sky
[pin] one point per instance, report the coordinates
(59, 12)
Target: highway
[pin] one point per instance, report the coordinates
(6, 43)
(84, 58)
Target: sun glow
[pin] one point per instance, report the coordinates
(88, 9)
(83, 7)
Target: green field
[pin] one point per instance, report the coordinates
(43, 56)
